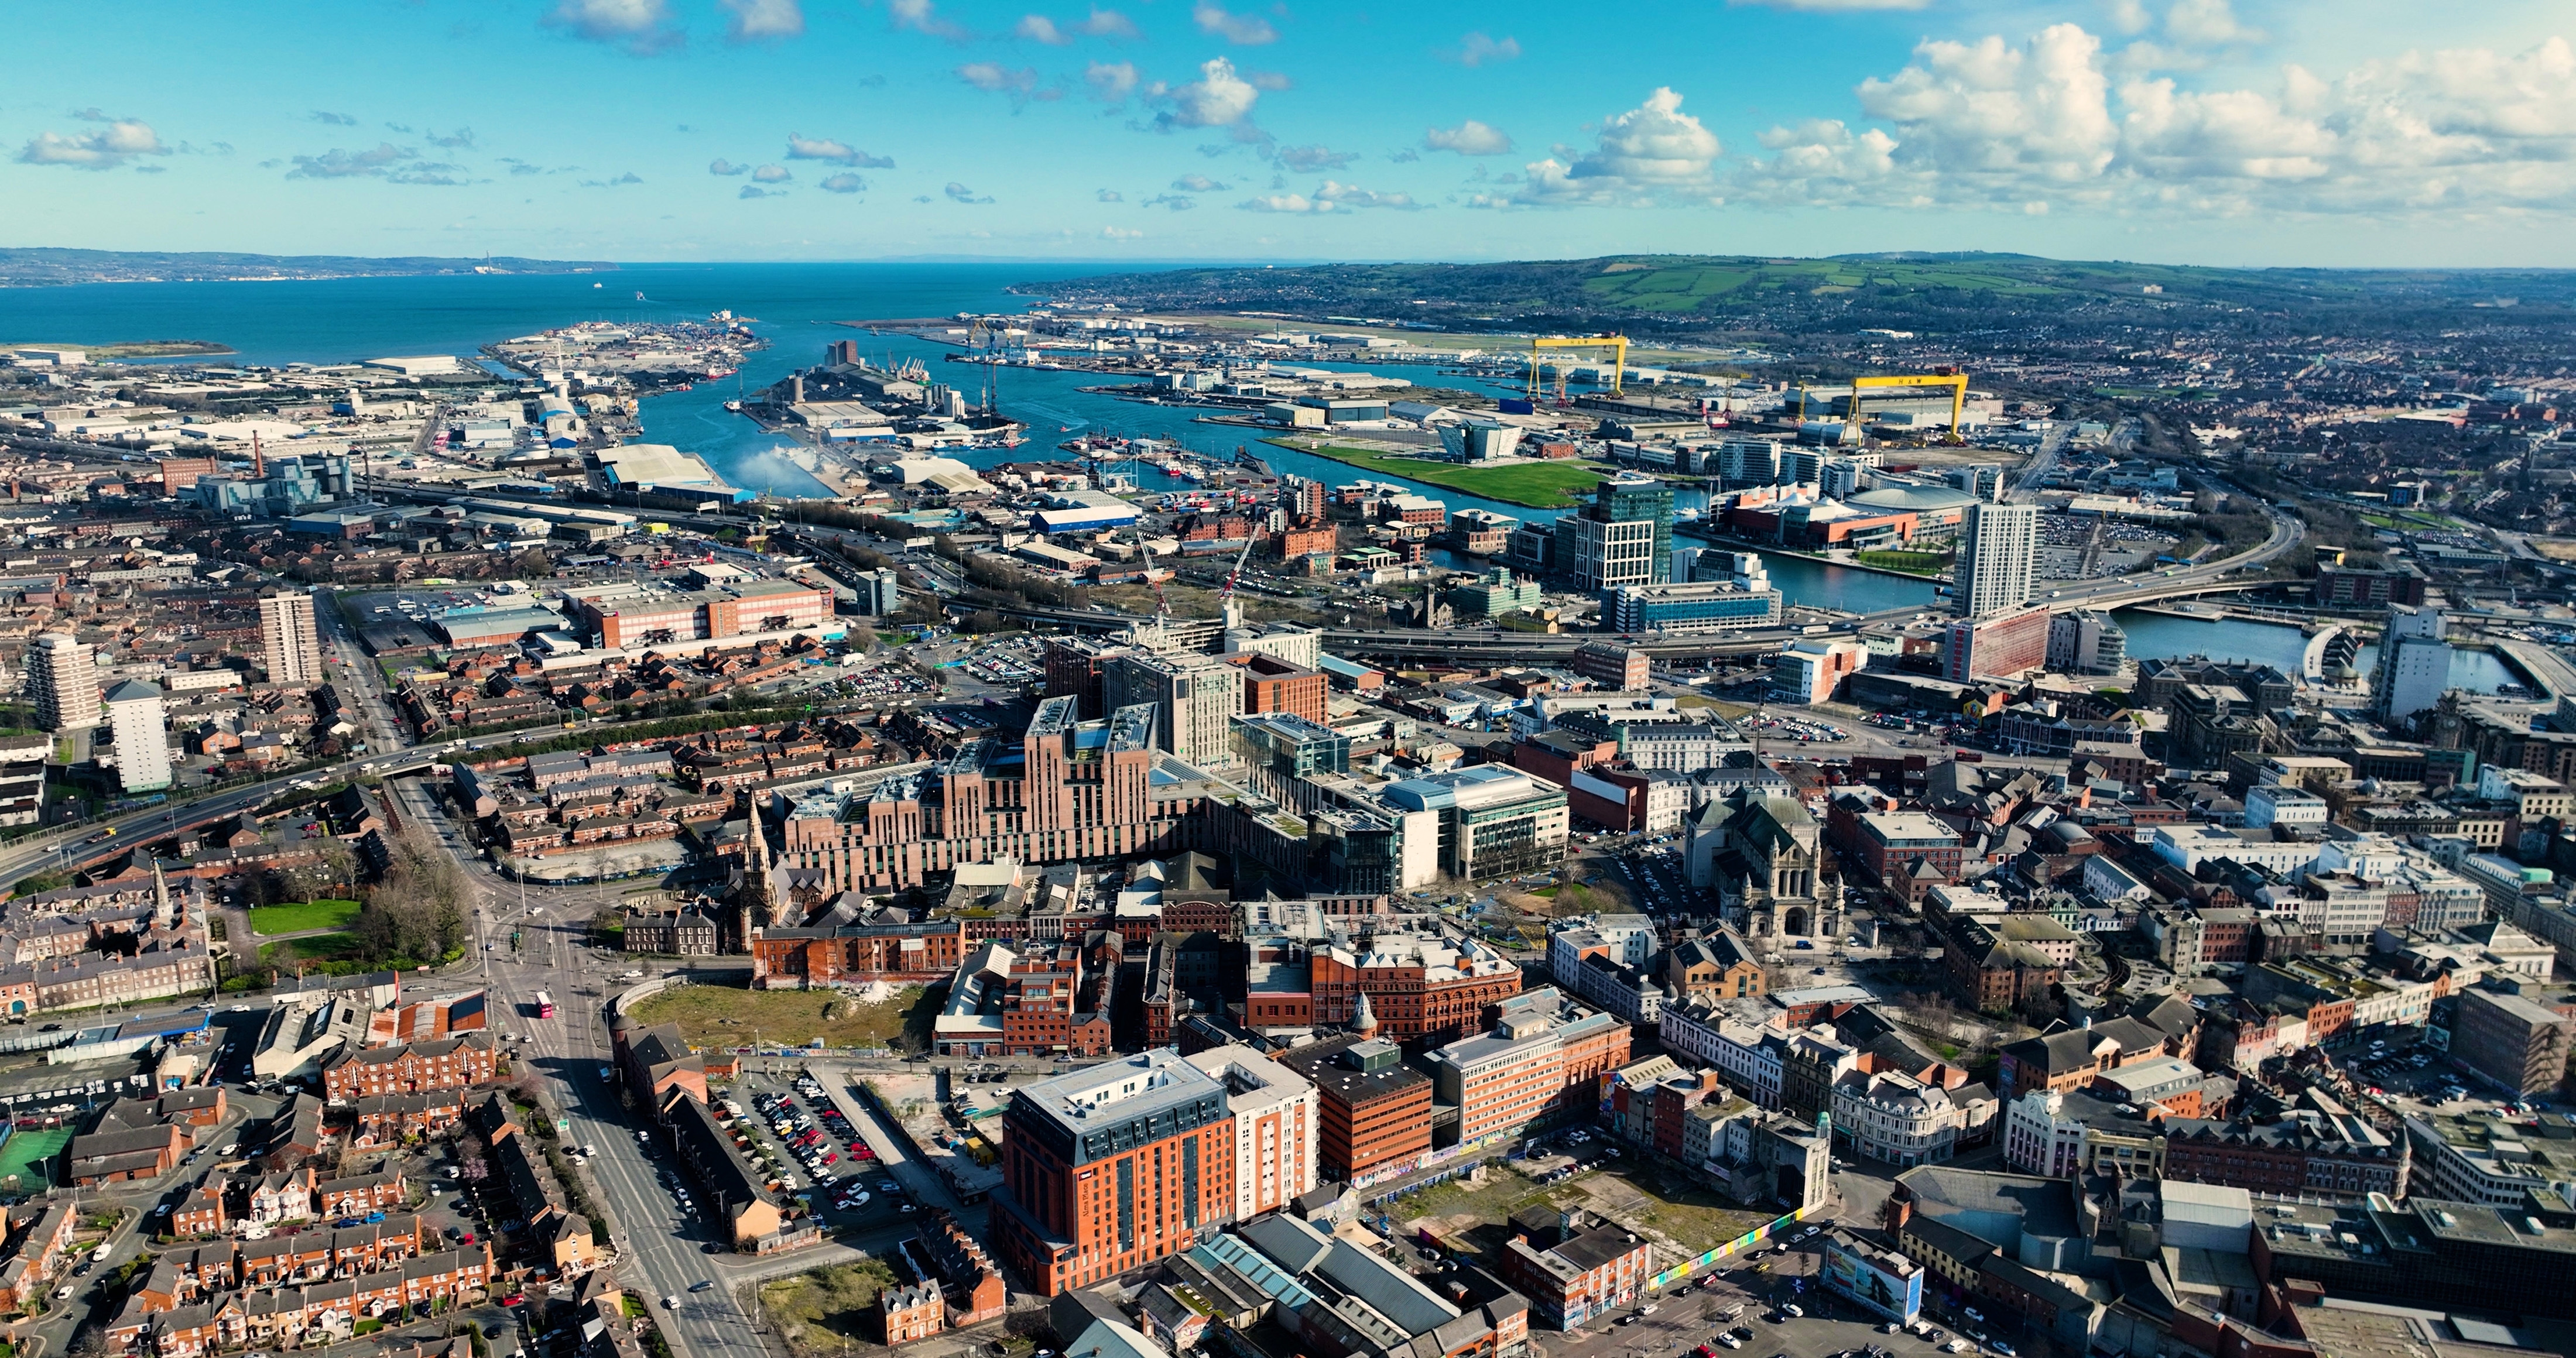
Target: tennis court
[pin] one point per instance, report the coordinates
(29, 1158)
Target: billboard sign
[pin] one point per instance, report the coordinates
(1884, 1282)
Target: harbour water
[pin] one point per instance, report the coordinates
(797, 306)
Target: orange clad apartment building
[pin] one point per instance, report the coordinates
(1111, 1167)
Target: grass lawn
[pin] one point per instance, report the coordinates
(1539, 485)
(273, 920)
(721, 1016)
(1912, 563)
(821, 1310)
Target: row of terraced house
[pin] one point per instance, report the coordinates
(233, 1294)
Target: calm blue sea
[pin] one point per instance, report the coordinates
(798, 308)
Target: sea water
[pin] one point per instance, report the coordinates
(799, 308)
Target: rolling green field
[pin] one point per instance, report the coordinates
(273, 920)
(1539, 485)
(1649, 296)
(1686, 284)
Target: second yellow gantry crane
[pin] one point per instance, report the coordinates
(1616, 344)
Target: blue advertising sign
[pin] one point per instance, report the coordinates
(1887, 1283)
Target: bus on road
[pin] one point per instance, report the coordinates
(545, 1005)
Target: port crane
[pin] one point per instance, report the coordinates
(980, 340)
(1539, 345)
(1953, 378)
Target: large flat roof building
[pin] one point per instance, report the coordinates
(1113, 1166)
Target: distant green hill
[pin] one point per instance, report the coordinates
(1675, 294)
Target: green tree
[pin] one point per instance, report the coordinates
(417, 912)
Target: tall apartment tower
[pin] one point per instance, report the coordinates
(1274, 1128)
(134, 712)
(286, 629)
(1196, 699)
(1996, 559)
(64, 683)
(2414, 663)
(1112, 1167)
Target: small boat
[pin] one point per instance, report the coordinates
(734, 406)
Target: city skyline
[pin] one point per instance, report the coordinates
(2192, 131)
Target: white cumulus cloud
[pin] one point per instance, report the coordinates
(1309, 159)
(772, 174)
(922, 16)
(801, 147)
(844, 182)
(1353, 196)
(1478, 50)
(1470, 138)
(642, 27)
(1039, 28)
(2044, 123)
(1106, 23)
(762, 20)
(2208, 23)
(993, 77)
(1245, 30)
(1651, 153)
(1110, 81)
(1218, 98)
(119, 142)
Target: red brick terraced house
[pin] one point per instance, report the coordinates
(449, 1063)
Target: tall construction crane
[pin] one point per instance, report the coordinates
(1145, 554)
(1225, 597)
(1616, 344)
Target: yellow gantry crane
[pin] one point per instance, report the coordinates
(1952, 378)
(1616, 344)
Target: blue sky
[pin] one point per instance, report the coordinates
(2191, 131)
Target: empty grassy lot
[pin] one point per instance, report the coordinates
(1539, 485)
(721, 1016)
(824, 1310)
